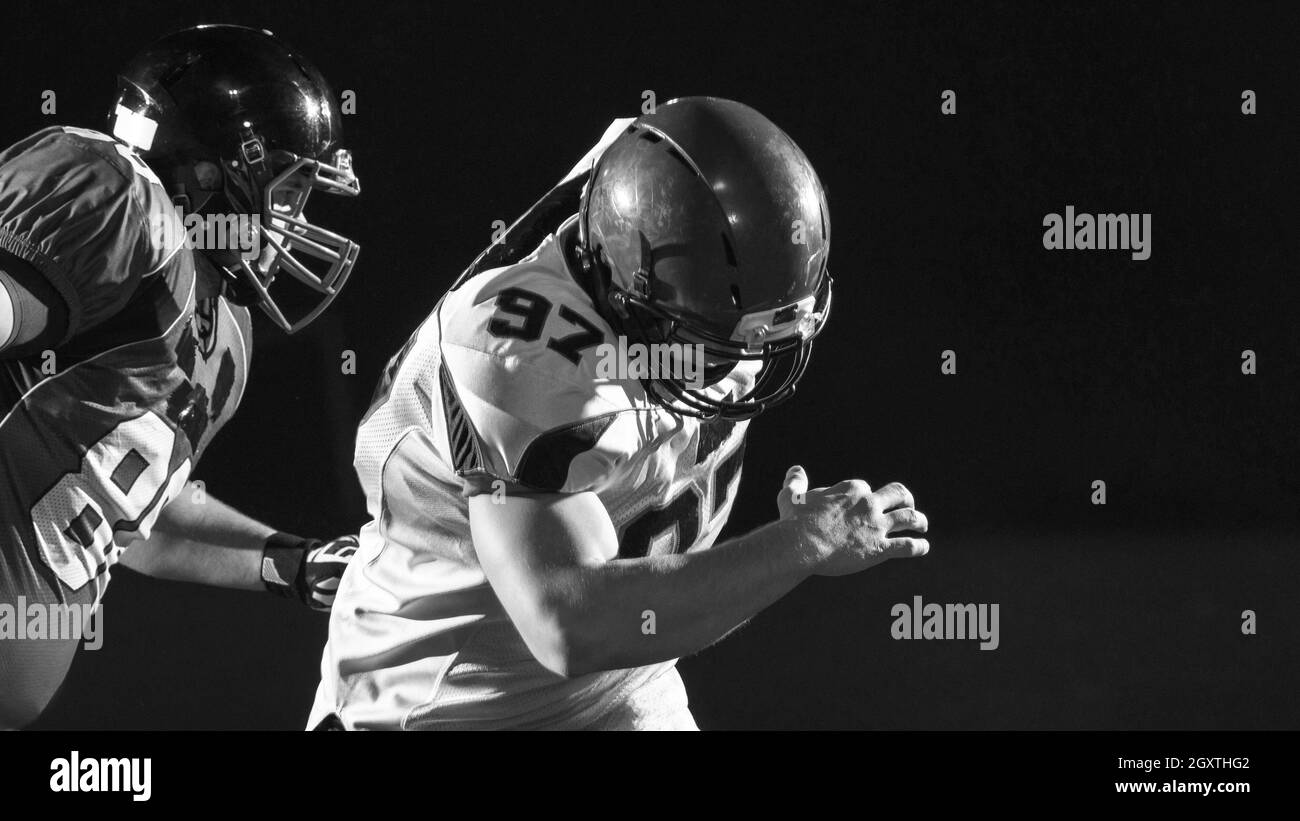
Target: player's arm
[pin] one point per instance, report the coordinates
(209, 542)
(579, 612)
(32, 314)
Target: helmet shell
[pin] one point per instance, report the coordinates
(203, 86)
(717, 207)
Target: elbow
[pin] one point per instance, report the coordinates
(564, 644)
(567, 660)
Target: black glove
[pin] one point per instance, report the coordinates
(306, 569)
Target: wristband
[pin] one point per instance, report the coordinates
(284, 564)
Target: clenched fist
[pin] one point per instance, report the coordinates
(849, 526)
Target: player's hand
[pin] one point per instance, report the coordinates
(323, 568)
(308, 570)
(851, 527)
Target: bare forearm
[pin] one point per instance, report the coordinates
(547, 557)
(642, 611)
(206, 541)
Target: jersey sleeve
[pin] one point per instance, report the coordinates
(32, 316)
(88, 215)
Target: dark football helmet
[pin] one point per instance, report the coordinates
(707, 225)
(246, 103)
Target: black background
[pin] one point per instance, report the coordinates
(1072, 366)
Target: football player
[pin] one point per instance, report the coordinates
(124, 349)
(542, 544)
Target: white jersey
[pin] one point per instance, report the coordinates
(498, 390)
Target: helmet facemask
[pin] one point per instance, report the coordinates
(780, 340)
(311, 263)
(242, 128)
